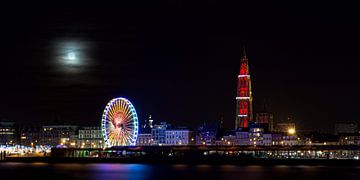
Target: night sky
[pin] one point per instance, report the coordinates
(179, 61)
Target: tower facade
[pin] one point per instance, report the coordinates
(265, 118)
(244, 110)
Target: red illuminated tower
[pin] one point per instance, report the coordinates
(244, 113)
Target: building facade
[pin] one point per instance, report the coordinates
(7, 133)
(88, 137)
(58, 134)
(144, 140)
(30, 136)
(266, 119)
(285, 127)
(178, 137)
(158, 133)
(206, 134)
(244, 110)
(242, 138)
(346, 128)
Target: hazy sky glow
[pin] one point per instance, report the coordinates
(72, 56)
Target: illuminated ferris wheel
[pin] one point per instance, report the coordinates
(119, 124)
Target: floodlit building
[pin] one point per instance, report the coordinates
(244, 109)
(267, 140)
(179, 136)
(144, 140)
(289, 140)
(255, 135)
(88, 137)
(242, 138)
(158, 133)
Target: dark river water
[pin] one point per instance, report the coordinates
(105, 171)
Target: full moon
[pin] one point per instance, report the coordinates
(72, 56)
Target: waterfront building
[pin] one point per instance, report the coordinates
(317, 138)
(206, 134)
(57, 134)
(265, 119)
(286, 127)
(242, 138)
(276, 139)
(7, 133)
(158, 133)
(284, 139)
(346, 128)
(30, 136)
(144, 139)
(244, 109)
(88, 137)
(227, 140)
(179, 136)
(267, 140)
(255, 134)
(289, 140)
(349, 139)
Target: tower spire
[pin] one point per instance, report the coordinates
(244, 53)
(244, 114)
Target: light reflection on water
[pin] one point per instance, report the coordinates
(120, 171)
(107, 171)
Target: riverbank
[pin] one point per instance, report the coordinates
(245, 161)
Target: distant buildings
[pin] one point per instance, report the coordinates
(287, 127)
(265, 119)
(346, 128)
(144, 139)
(206, 133)
(349, 139)
(58, 134)
(158, 133)
(242, 138)
(179, 136)
(31, 135)
(8, 134)
(88, 137)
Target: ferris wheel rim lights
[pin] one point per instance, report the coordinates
(128, 116)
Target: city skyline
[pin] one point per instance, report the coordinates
(66, 62)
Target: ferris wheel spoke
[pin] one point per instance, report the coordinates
(119, 123)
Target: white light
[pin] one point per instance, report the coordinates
(71, 56)
(242, 115)
(243, 76)
(242, 97)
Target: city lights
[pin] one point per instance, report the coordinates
(291, 131)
